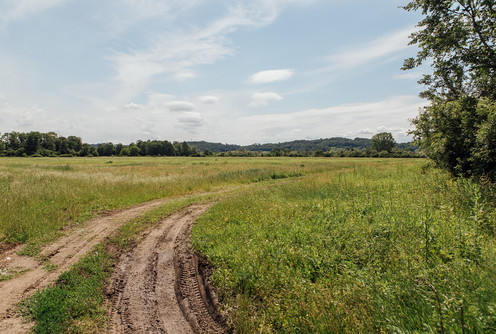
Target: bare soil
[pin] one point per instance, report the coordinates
(30, 274)
(157, 286)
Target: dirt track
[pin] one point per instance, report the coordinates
(145, 289)
(156, 287)
(63, 254)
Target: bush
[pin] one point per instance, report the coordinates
(460, 136)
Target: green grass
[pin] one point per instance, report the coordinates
(41, 196)
(75, 304)
(311, 245)
(396, 248)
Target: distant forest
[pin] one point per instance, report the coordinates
(324, 145)
(50, 144)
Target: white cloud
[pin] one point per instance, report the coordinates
(159, 100)
(344, 120)
(14, 10)
(271, 76)
(191, 119)
(180, 106)
(209, 99)
(379, 49)
(184, 75)
(132, 106)
(263, 99)
(174, 48)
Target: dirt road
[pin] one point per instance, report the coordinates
(61, 254)
(157, 288)
(144, 293)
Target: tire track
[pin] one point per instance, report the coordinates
(63, 253)
(145, 285)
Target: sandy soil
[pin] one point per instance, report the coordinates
(157, 287)
(63, 253)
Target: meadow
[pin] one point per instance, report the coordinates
(41, 196)
(301, 245)
(395, 247)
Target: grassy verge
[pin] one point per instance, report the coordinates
(400, 248)
(75, 304)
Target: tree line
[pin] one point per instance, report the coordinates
(325, 145)
(18, 144)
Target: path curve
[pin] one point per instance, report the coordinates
(63, 253)
(156, 287)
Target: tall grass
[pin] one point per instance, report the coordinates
(394, 248)
(40, 196)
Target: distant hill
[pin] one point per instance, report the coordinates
(296, 145)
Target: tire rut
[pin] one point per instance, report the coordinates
(63, 253)
(155, 287)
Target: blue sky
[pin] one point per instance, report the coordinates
(237, 72)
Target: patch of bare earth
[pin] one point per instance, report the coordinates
(30, 275)
(157, 286)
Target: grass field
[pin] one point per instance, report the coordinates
(43, 195)
(333, 245)
(389, 248)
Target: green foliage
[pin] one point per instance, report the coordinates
(297, 145)
(460, 136)
(457, 129)
(383, 141)
(361, 249)
(77, 295)
(134, 150)
(459, 36)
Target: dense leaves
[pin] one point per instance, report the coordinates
(460, 135)
(459, 37)
(383, 141)
(50, 144)
(456, 130)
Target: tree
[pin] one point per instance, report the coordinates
(134, 150)
(106, 149)
(74, 143)
(118, 148)
(459, 37)
(456, 130)
(33, 143)
(383, 141)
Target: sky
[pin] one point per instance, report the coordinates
(237, 71)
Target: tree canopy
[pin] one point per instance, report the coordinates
(383, 141)
(458, 38)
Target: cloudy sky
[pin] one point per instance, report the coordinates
(237, 71)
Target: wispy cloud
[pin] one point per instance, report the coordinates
(180, 106)
(378, 50)
(262, 99)
(209, 99)
(343, 120)
(409, 76)
(14, 10)
(271, 76)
